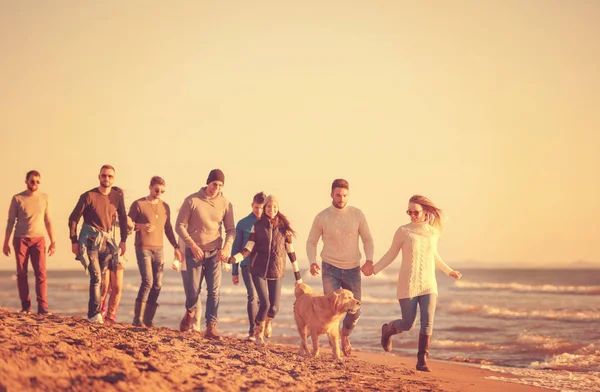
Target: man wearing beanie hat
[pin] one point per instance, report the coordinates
(215, 175)
(340, 227)
(200, 224)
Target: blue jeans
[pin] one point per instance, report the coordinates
(252, 305)
(197, 271)
(99, 261)
(151, 263)
(408, 307)
(336, 278)
(269, 293)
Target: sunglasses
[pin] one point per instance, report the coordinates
(159, 191)
(415, 213)
(34, 182)
(106, 175)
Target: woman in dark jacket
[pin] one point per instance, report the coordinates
(270, 240)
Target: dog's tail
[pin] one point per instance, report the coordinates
(302, 289)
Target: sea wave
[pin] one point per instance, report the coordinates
(546, 344)
(526, 288)
(505, 313)
(562, 380)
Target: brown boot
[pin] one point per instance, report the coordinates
(423, 353)
(346, 347)
(211, 331)
(259, 330)
(137, 312)
(387, 331)
(187, 320)
(149, 314)
(268, 327)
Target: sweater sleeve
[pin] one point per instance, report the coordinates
(440, 264)
(392, 253)
(169, 228)
(12, 215)
(183, 218)
(75, 216)
(289, 247)
(229, 223)
(367, 238)
(313, 239)
(237, 246)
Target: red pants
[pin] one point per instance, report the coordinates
(34, 248)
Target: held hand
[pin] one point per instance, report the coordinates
(235, 279)
(123, 248)
(223, 254)
(226, 267)
(6, 250)
(231, 260)
(52, 248)
(178, 255)
(176, 266)
(314, 269)
(197, 252)
(75, 248)
(367, 268)
(455, 274)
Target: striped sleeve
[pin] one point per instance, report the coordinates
(289, 247)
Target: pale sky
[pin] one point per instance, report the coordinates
(489, 108)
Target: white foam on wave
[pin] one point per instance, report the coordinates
(586, 359)
(546, 344)
(505, 313)
(561, 380)
(526, 288)
(461, 345)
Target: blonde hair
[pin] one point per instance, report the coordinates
(432, 211)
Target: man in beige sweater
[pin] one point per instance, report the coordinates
(199, 223)
(29, 210)
(340, 227)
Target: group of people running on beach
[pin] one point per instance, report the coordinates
(257, 246)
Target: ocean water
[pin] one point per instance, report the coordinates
(540, 326)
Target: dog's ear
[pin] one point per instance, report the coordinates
(336, 300)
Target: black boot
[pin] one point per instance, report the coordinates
(149, 314)
(423, 353)
(137, 313)
(387, 331)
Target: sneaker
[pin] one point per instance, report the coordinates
(25, 311)
(97, 319)
(44, 312)
(251, 338)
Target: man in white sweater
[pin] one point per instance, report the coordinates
(340, 226)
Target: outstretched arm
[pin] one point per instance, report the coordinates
(241, 255)
(392, 253)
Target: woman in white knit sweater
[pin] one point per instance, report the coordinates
(416, 281)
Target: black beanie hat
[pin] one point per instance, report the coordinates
(215, 175)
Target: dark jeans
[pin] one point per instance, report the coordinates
(336, 278)
(252, 305)
(99, 262)
(269, 293)
(408, 307)
(197, 271)
(151, 263)
(34, 248)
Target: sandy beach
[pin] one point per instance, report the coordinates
(51, 353)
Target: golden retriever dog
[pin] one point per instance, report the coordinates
(321, 314)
